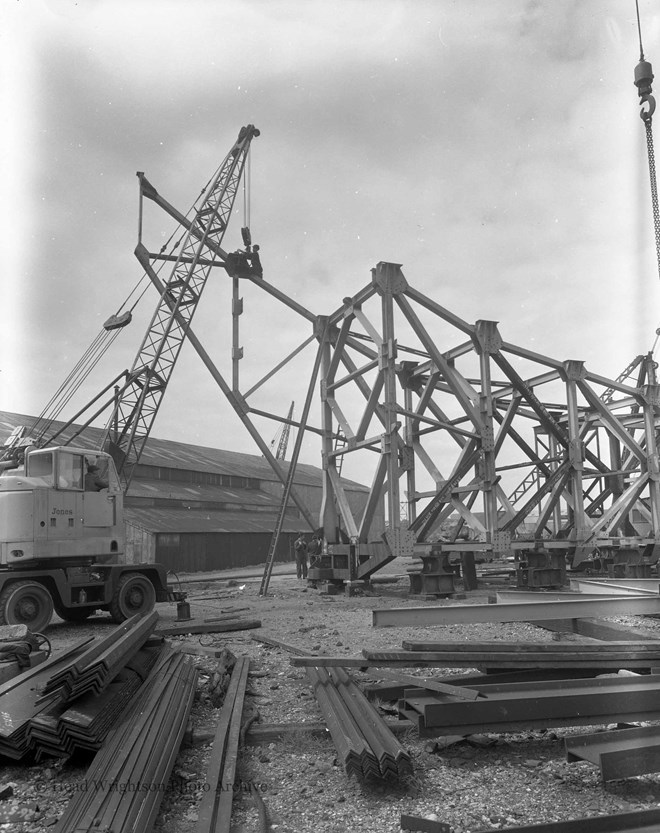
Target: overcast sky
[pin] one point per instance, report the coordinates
(494, 149)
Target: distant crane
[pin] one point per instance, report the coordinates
(280, 441)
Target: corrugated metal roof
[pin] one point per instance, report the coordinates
(170, 490)
(182, 520)
(171, 454)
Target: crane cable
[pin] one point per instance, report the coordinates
(643, 81)
(247, 190)
(99, 345)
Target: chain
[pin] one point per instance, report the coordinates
(654, 187)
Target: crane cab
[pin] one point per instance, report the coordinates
(66, 505)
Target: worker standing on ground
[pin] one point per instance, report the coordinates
(300, 549)
(314, 550)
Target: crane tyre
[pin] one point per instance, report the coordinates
(134, 594)
(26, 603)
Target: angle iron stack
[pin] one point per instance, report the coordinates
(364, 744)
(131, 772)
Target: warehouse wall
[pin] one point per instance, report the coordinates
(313, 496)
(208, 551)
(140, 547)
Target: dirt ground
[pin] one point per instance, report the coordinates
(502, 781)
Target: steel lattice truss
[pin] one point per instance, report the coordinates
(523, 448)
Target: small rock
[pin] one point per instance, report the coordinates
(185, 776)
(264, 759)
(316, 647)
(532, 763)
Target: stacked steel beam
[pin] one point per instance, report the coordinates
(102, 661)
(20, 702)
(364, 744)
(64, 727)
(130, 774)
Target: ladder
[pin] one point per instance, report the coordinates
(340, 442)
(277, 530)
(288, 483)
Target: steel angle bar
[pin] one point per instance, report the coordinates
(360, 758)
(183, 698)
(137, 753)
(223, 813)
(430, 683)
(214, 803)
(392, 758)
(523, 648)
(513, 596)
(102, 658)
(339, 739)
(643, 586)
(543, 705)
(620, 754)
(524, 612)
(68, 655)
(128, 774)
(158, 746)
(237, 624)
(512, 659)
(642, 821)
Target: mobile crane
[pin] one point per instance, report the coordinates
(62, 533)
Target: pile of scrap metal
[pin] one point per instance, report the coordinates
(74, 698)
(365, 745)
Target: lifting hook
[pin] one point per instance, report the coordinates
(647, 115)
(643, 81)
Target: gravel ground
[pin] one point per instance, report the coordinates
(518, 779)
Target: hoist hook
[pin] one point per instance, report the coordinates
(643, 81)
(647, 115)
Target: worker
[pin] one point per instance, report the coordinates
(314, 550)
(300, 549)
(255, 262)
(93, 480)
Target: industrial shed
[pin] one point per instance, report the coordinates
(193, 508)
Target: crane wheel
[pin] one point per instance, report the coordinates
(134, 594)
(26, 603)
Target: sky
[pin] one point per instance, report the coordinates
(493, 149)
